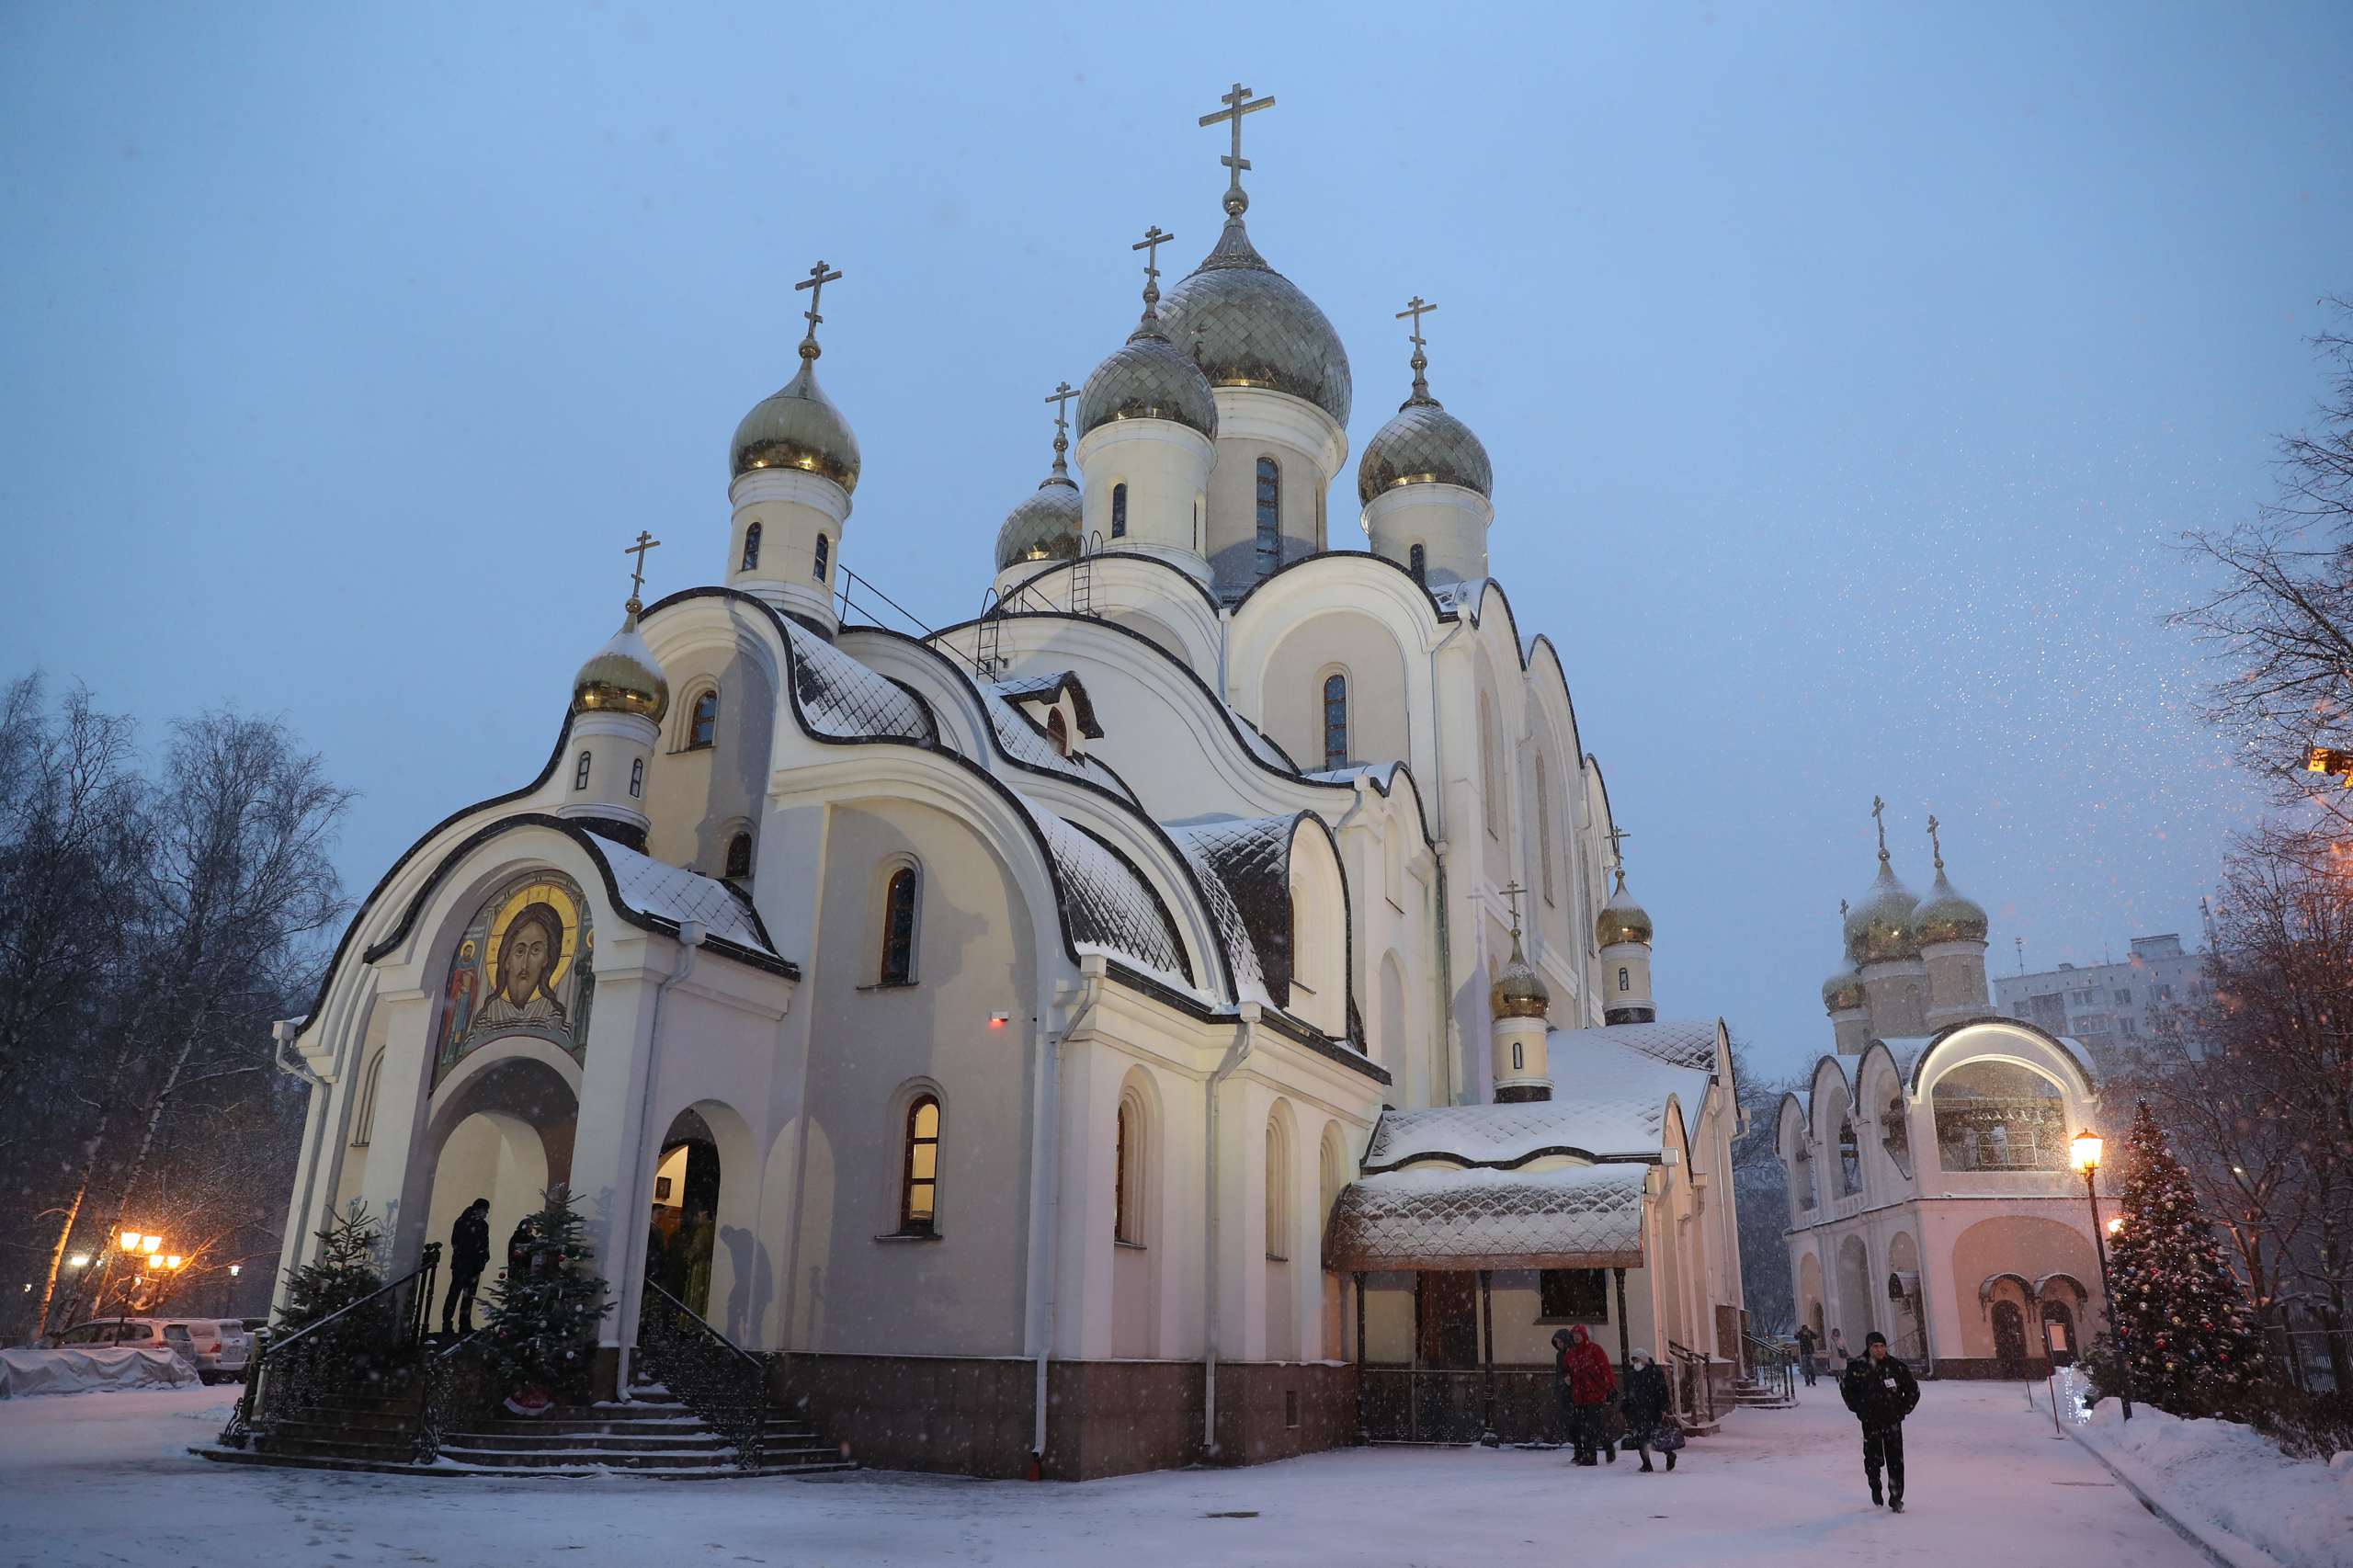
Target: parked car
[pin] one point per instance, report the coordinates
(218, 1349)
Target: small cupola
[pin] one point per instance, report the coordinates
(1517, 1005)
(792, 466)
(1424, 481)
(619, 700)
(1621, 930)
(1046, 527)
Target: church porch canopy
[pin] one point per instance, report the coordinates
(1437, 1221)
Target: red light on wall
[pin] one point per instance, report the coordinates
(998, 1020)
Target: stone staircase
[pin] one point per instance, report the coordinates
(653, 1434)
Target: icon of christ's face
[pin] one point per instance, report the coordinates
(527, 955)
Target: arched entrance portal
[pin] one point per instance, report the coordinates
(683, 1229)
(502, 1130)
(2009, 1338)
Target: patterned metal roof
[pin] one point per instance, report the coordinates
(1678, 1042)
(1024, 742)
(1250, 326)
(1107, 905)
(1424, 445)
(1249, 859)
(1575, 1217)
(839, 696)
(1044, 527)
(676, 895)
(1148, 378)
(797, 426)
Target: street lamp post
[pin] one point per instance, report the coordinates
(2088, 1148)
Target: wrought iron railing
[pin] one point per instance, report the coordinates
(438, 1398)
(1772, 1366)
(716, 1377)
(356, 1349)
(1696, 1391)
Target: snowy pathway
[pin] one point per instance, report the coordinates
(103, 1479)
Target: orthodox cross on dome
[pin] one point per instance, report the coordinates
(1417, 308)
(645, 541)
(1936, 847)
(1059, 397)
(1878, 816)
(1153, 238)
(1617, 836)
(816, 283)
(1237, 103)
(1512, 893)
(1842, 909)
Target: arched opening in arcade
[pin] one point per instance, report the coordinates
(501, 1132)
(682, 1232)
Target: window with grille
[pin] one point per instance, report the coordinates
(920, 1195)
(1573, 1295)
(1118, 511)
(752, 547)
(702, 728)
(1336, 720)
(899, 928)
(825, 558)
(1270, 516)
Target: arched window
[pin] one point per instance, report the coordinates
(1336, 720)
(752, 547)
(899, 928)
(1801, 1174)
(703, 726)
(637, 779)
(1126, 1174)
(1850, 1158)
(1058, 731)
(739, 854)
(825, 558)
(1277, 1193)
(919, 1194)
(580, 772)
(1544, 830)
(1270, 516)
(1418, 563)
(1999, 1116)
(1623, 980)
(363, 1115)
(1118, 511)
(1491, 770)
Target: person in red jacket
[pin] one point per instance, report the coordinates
(1586, 1381)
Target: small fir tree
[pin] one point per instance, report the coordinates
(2188, 1335)
(545, 1307)
(344, 1271)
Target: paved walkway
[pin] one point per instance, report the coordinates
(103, 1479)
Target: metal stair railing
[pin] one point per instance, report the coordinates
(1774, 1366)
(342, 1353)
(1697, 1393)
(717, 1379)
(437, 1401)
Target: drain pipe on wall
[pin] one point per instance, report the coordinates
(1239, 1052)
(283, 1033)
(690, 935)
(1048, 1207)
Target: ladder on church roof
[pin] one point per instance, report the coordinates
(1082, 576)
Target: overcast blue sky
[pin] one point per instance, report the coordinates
(1847, 373)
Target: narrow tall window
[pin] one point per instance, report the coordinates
(920, 1195)
(739, 854)
(752, 547)
(1123, 1178)
(1277, 1209)
(1118, 511)
(1544, 829)
(702, 728)
(825, 556)
(1270, 516)
(899, 928)
(637, 779)
(1622, 985)
(1418, 563)
(1058, 731)
(1336, 720)
(580, 772)
(1490, 783)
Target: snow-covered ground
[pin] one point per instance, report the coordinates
(2219, 1477)
(105, 1479)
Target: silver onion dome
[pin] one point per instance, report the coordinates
(1248, 326)
(1146, 378)
(1423, 445)
(797, 426)
(1047, 526)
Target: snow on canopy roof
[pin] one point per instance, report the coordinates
(1262, 748)
(1025, 742)
(1049, 687)
(1108, 905)
(1576, 1217)
(1606, 1104)
(1678, 1042)
(1247, 862)
(837, 695)
(674, 895)
(1462, 594)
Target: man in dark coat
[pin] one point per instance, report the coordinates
(1808, 1343)
(1644, 1402)
(1880, 1389)
(1588, 1379)
(469, 1256)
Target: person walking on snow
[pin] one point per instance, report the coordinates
(1808, 1342)
(469, 1256)
(1881, 1391)
(1589, 1381)
(1645, 1404)
(1838, 1355)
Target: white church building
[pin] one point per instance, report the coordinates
(1181, 1016)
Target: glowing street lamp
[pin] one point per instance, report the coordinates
(2088, 1147)
(79, 1260)
(151, 1244)
(131, 1241)
(2114, 1224)
(173, 1261)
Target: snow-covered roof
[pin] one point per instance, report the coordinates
(674, 896)
(1460, 594)
(837, 695)
(1678, 1042)
(1607, 1103)
(1574, 1217)
(1048, 687)
(1025, 742)
(1244, 865)
(1108, 906)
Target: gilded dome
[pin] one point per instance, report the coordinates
(797, 426)
(1880, 926)
(1248, 326)
(1622, 919)
(622, 676)
(1047, 526)
(1518, 991)
(1423, 445)
(1948, 914)
(1843, 991)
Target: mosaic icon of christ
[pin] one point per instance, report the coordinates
(521, 984)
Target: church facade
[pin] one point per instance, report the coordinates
(1932, 1196)
(1098, 1035)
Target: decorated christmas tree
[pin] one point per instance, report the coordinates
(2188, 1335)
(543, 1311)
(344, 1271)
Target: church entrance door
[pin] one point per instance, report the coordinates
(2009, 1338)
(1448, 1388)
(683, 1228)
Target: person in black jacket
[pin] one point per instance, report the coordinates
(1808, 1343)
(1880, 1389)
(1645, 1403)
(469, 1256)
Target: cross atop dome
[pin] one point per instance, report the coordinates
(1059, 397)
(816, 283)
(1237, 103)
(1417, 308)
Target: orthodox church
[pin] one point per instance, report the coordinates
(1932, 1196)
(1184, 1014)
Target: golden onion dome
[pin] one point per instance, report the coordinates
(622, 676)
(797, 426)
(1248, 326)
(1622, 919)
(1843, 991)
(1879, 927)
(1948, 914)
(1518, 991)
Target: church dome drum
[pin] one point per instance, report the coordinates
(1423, 445)
(1047, 526)
(797, 426)
(1248, 326)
